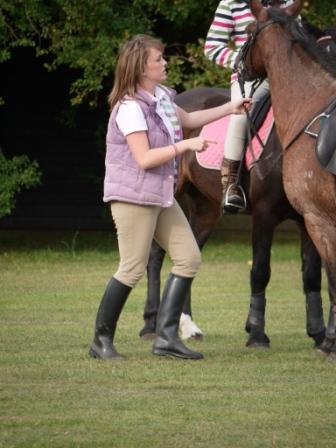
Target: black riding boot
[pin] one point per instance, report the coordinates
(167, 341)
(112, 303)
(233, 194)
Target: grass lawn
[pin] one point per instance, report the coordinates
(54, 395)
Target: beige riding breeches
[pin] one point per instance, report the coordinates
(137, 226)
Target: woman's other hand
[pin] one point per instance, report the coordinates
(241, 105)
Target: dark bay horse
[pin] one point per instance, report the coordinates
(302, 84)
(200, 190)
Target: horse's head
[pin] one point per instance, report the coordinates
(250, 65)
(258, 10)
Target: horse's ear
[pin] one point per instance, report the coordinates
(294, 9)
(258, 10)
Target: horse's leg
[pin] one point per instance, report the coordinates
(323, 235)
(203, 217)
(328, 346)
(262, 236)
(311, 277)
(152, 303)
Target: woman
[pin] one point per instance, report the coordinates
(225, 38)
(144, 137)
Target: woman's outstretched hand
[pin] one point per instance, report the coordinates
(196, 144)
(241, 105)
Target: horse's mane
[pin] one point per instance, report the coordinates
(306, 39)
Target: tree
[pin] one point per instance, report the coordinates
(15, 174)
(85, 35)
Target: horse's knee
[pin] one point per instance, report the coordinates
(259, 277)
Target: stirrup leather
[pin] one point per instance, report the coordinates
(226, 198)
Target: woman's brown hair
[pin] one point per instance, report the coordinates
(130, 67)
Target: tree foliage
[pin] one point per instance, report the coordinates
(15, 174)
(85, 35)
(321, 13)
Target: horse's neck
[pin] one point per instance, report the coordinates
(299, 86)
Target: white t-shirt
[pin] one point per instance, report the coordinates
(130, 117)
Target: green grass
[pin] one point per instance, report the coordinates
(53, 395)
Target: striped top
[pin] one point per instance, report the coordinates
(171, 113)
(227, 33)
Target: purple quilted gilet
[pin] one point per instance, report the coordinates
(124, 179)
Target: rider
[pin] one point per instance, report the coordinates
(225, 38)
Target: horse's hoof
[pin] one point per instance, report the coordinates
(331, 357)
(197, 337)
(320, 352)
(326, 347)
(188, 328)
(318, 339)
(254, 345)
(258, 339)
(148, 331)
(147, 336)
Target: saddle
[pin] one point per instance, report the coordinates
(259, 113)
(326, 138)
(262, 120)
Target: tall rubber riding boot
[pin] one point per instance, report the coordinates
(233, 194)
(167, 341)
(110, 307)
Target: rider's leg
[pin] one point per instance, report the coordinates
(233, 198)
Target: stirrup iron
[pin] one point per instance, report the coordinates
(230, 204)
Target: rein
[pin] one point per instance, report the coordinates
(245, 74)
(250, 129)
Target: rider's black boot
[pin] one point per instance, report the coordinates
(167, 341)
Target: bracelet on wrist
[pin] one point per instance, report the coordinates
(177, 153)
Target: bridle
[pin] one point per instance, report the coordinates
(246, 72)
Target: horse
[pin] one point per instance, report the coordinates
(200, 189)
(302, 85)
(268, 206)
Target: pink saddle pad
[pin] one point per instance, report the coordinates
(212, 157)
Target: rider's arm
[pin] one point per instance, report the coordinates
(216, 46)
